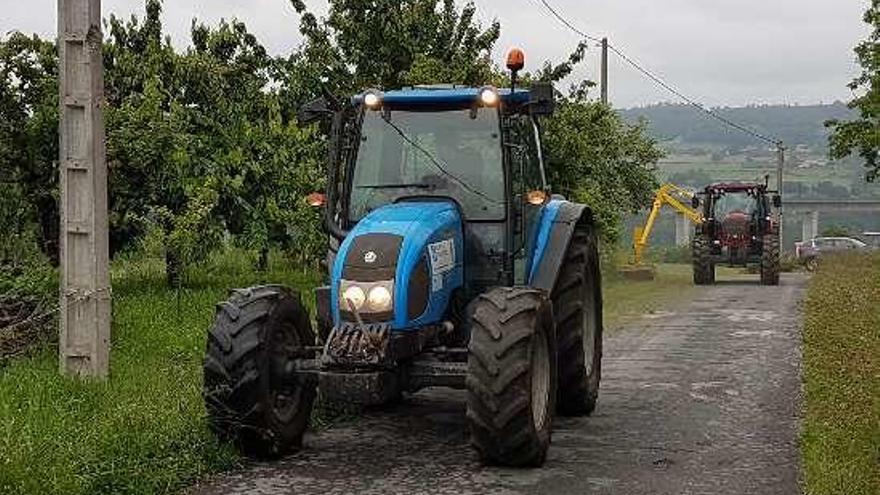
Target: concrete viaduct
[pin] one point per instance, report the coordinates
(807, 210)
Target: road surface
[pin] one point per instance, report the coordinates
(701, 399)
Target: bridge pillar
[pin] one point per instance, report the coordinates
(682, 230)
(810, 226)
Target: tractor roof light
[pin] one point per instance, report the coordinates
(373, 99)
(489, 96)
(516, 60)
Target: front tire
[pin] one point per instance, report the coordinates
(577, 309)
(511, 382)
(770, 260)
(252, 397)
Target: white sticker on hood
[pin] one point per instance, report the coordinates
(442, 256)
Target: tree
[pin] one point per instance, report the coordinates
(862, 135)
(264, 164)
(596, 158)
(29, 135)
(392, 43)
(145, 130)
(200, 145)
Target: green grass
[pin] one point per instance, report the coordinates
(841, 430)
(143, 431)
(625, 300)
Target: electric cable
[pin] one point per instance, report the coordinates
(660, 82)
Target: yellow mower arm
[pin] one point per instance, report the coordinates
(667, 194)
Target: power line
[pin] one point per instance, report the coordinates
(567, 24)
(663, 84)
(690, 101)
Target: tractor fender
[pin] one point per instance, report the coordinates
(555, 229)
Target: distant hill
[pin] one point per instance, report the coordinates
(686, 126)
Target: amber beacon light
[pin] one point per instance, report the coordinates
(516, 60)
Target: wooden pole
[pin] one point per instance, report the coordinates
(85, 282)
(780, 165)
(604, 75)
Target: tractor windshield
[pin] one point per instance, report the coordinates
(736, 201)
(455, 153)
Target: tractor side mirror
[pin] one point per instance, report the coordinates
(695, 202)
(313, 111)
(777, 201)
(541, 102)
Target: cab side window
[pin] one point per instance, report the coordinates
(533, 173)
(527, 175)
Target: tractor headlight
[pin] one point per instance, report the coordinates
(367, 297)
(379, 299)
(353, 296)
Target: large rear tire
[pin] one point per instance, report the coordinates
(704, 271)
(770, 260)
(577, 309)
(252, 395)
(511, 382)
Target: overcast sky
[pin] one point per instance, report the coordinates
(721, 52)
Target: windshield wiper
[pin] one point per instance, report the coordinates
(413, 185)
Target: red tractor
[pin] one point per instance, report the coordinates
(738, 229)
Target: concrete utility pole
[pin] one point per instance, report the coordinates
(85, 282)
(780, 164)
(604, 77)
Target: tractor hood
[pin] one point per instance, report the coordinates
(412, 249)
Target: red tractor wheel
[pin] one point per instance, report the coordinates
(770, 260)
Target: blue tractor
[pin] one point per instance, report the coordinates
(450, 265)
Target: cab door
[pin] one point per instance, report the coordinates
(529, 191)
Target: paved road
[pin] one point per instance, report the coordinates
(701, 399)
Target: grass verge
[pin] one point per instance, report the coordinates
(840, 439)
(143, 431)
